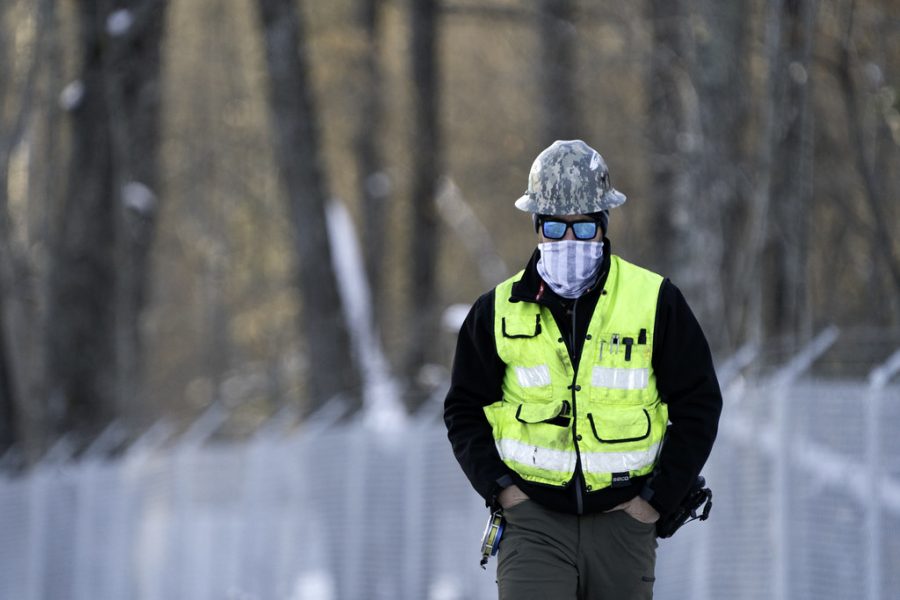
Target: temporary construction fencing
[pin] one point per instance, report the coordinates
(805, 475)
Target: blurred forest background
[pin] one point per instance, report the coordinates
(169, 170)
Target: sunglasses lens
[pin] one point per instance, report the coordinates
(554, 230)
(586, 230)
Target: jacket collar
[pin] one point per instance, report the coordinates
(531, 288)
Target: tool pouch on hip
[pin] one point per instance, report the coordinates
(490, 541)
(687, 511)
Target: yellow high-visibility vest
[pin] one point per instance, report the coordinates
(609, 413)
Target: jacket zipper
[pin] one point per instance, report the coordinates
(577, 479)
(579, 500)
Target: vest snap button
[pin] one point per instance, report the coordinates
(589, 488)
(577, 388)
(560, 340)
(578, 437)
(587, 337)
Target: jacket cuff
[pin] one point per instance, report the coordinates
(502, 482)
(648, 494)
(658, 508)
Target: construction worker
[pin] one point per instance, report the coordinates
(583, 400)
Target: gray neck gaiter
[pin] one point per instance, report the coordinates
(569, 267)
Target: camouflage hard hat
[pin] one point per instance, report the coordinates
(569, 178)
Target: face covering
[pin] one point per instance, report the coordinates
(569, 267)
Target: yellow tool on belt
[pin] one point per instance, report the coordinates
(490, 541)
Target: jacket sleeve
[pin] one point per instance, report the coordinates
(687, 382)
(476, 382)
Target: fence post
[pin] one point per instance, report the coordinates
(37, 519)
(878, 378)
(415, 527)
(186, 580)
(84, 542)
(40, 478)
(358, 470)
(86, 546)
(737, 362)
(782, 458)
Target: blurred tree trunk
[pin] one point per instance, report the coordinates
(46, 177)
(374, 185)
(333, 371)
(787, 313)
(557, 70)
(883, 159)
(32, 111)
(697, 112)
(747, 286)
(717, 238)
(8, 399)
(15, 341)
(94, 296)
(672, 133)
(871, 171)
(81, 305)
(10, 396)
(208, 149)
(133, 64)
(426, 169)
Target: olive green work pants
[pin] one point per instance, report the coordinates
(548, 555)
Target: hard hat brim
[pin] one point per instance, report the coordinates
(611, 199)
(527, 204)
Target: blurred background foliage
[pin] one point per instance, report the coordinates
(156, 255)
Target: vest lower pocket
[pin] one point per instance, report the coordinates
(619, 426)
(552, 413)
(625, 443)
(535, 439)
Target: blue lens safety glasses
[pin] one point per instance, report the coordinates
(556, 230)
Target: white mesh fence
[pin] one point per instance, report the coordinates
(805, 475)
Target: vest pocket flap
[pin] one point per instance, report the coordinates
(540, 412)
(614, 426)
(521, 327)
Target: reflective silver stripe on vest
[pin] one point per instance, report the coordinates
(533, 376)
(619, 379)
(619, 462)
(535, 456)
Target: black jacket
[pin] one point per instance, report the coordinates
(685, 378)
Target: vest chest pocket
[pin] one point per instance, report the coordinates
(621, 373)
(521, 327)
(619, 426)
(627, 350)
(520, 342)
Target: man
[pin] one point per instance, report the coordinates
(564, 381)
